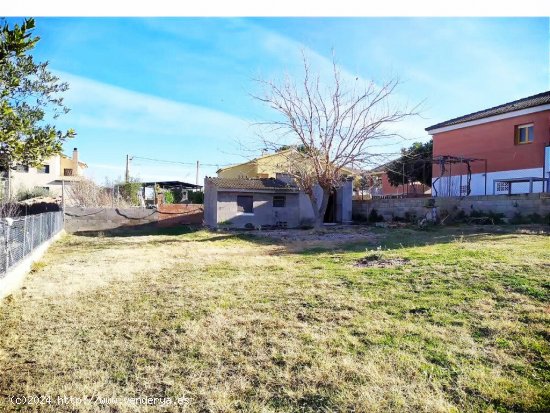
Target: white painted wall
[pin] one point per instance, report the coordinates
(478, 183)
(32, 179)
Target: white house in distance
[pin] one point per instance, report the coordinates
(50, 175)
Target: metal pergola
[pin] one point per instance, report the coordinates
(447, 161)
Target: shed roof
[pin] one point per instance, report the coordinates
(525, 103)
(172, 184)
(261, 184)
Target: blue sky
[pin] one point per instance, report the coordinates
(179, 88)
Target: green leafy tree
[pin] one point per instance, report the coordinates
(414, 165)
(299, 148)
(30, 100)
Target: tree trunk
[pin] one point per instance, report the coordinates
(319, 209)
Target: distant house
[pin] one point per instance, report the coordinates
(268, 166)
(259, 193)
(375, 183)
(50, 175)
(507, 149)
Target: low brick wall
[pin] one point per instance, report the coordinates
(100, 219)
(508, 205)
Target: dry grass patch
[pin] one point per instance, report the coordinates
(237, 323)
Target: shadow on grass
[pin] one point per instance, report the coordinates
(386, 238)
(141, 230)
(407, 237)
(174, 231)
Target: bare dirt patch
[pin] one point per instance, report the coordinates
(377, 261)
(296, 239)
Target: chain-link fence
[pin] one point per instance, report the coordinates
(20, 236)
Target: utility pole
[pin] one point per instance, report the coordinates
(9, 183)
(127, 176)
(197, 174)
(63, 197)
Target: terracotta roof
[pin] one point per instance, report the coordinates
(253, 184)
(525, 103)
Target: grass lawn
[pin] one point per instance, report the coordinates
(246, 323)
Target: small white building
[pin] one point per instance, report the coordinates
(50, 175)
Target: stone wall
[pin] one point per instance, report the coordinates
(100, 219)
(509, 205)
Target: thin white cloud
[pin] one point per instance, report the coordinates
(132, 117)
(118, 109)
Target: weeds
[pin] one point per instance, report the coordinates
(238, 323)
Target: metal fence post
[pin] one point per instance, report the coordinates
(25, 236)
(6, 244)
(32, 232)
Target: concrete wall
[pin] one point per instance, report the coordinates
(264, 213)
(210, 200)
(13, 279)
(345, 197)
(100, 219)
(509, 205)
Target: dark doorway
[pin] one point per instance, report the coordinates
(330, 213)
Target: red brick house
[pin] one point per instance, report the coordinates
(385, 188)
(507, 148)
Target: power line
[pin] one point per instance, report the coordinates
(178, 162)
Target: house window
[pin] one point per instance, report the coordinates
(22, 168)
(67, 172)
(245, 204)
(503, 186)
(44, 169)
(464, 190)
(524, 134)
(279, 201)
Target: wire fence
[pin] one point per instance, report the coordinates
(21, 236)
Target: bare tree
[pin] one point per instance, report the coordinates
(9, 207)
(334, 126)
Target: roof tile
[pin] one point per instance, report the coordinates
(528, 102)
(253, 184)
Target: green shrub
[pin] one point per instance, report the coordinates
(534, 218)
(195, 197)
(486, 217)
(458, 217)
(169, 197)
(538, 219)
(28, 193)
(374, 216)
(517, 219)
(129, 192)
(410, 216)
(358, 217)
